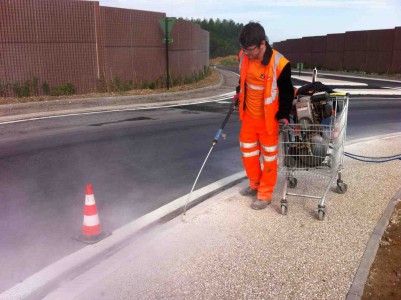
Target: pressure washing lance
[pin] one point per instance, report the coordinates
(233, 106)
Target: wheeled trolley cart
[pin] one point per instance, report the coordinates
(313, 145)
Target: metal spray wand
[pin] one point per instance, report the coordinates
(214, 142)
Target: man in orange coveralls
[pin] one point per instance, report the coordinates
(265, 96)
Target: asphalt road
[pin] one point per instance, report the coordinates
(137, 161)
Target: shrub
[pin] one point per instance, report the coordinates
(35, 85)
(56, 91)
(26, 89)
(145, 85)
(17, 89)
(3, 88)
(188, 80)
(119, 85)
(127, 85)
(152, 85)
(45, 88)
(67, 89)
(176, 81)
(201, 75)
(101, 85)
(116, 85)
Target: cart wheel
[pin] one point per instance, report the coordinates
(321, 214)
(284, 209)
(292, 182)
(284, 206)
(342, 188)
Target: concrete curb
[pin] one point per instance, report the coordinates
(358, 285)
(41, 283)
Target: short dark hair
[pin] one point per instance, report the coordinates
(252, 34)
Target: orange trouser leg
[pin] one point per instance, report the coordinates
(269, 149)
(255, 141)
(250, 148)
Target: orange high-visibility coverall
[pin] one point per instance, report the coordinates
(258, 105)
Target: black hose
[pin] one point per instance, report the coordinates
(380, 159)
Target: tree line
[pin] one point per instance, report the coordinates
(224, 36)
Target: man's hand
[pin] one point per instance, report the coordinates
(283, 124)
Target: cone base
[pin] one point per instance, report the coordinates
(91, 239)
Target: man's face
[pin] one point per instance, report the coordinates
(254, 51)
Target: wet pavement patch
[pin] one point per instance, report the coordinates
(218, 107)
(126, 120)
(190, 112)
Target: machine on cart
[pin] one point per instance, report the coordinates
(313, 144)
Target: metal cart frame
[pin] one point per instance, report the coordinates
(317, 149)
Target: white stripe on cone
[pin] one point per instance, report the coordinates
(90, 200)
(91, 220)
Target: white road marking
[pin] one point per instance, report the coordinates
(218, 98)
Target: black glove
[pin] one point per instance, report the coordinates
(237, 89)
(235, 101)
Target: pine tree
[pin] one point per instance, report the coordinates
(224, 36)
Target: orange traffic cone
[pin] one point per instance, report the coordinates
(91, 230)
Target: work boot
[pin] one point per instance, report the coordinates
(259, 204)
(248, 191)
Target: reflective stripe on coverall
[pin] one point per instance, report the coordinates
(260, 136)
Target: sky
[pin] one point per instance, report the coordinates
(282, 19)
